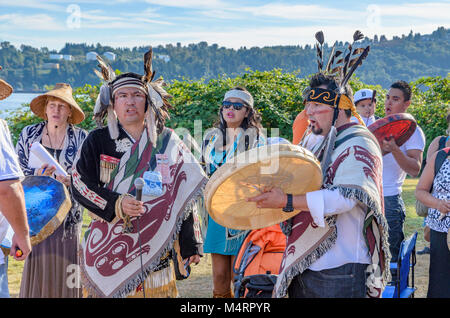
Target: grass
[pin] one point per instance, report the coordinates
(413, 223)
(199, 284)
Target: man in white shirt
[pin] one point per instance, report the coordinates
(406, 159)
(338, 265)
(12, 201)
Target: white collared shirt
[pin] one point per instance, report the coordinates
(350, 244)
(367, 120)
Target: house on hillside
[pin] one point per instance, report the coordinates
(50, 66)
(56, 56)
(110, 56)
(91, 56)
(165, 58)
(65, 57)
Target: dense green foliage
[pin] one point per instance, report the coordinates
(408, 58)
(431, 97)
(277, 97)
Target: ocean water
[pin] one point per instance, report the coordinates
(14, 102)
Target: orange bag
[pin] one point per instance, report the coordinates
(299, 127)
(261, 252)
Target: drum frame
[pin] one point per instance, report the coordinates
(389, 120)
(277, 152)
(56, 221)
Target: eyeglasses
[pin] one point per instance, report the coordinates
(236, 106)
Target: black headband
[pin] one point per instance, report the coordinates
(323, 96)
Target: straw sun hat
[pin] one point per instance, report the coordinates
(5, 89)
(63, 92)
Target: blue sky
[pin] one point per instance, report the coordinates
(229, 23)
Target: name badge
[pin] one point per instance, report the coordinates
(153, 184)
(162, 165)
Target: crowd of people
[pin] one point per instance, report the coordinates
(358, 216)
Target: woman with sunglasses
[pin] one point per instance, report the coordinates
(238, 129)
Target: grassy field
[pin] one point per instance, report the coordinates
(199, 284)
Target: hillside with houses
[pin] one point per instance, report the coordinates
(406, 57)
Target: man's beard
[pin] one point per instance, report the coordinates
(316, 131)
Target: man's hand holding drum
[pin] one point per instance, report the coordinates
(390, 145)
(274, 198)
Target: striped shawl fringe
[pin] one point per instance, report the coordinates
(139, 278)
(306, 262)
(374, 213)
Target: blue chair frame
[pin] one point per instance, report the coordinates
(399, 288)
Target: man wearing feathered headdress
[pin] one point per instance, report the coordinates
(129, 247)
(337, 246)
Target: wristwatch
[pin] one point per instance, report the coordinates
(288, 207)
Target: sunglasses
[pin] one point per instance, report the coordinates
(236, 106)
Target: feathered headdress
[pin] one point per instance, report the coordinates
(341, 65)
(157, 97)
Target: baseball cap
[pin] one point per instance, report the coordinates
(364, 93)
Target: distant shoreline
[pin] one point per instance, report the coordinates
(29, 92)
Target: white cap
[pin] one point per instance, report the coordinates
(364, 93)
(237, 93)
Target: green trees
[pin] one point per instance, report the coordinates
(278, 98)
(431, 98)
(408, 58)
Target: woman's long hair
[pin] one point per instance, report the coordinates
(253, 120)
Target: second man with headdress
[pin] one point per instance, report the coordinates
(337, 245)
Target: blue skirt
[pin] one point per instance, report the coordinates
(216, 242)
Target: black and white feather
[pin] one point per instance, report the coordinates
(101, 104)
(319, 49)
(103, 101)
(341, 63)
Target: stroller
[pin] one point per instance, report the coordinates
(258, 262)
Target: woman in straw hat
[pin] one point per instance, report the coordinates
(46, 271)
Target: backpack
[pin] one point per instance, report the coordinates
(441, 156)
(442, 142)
(258, 262)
